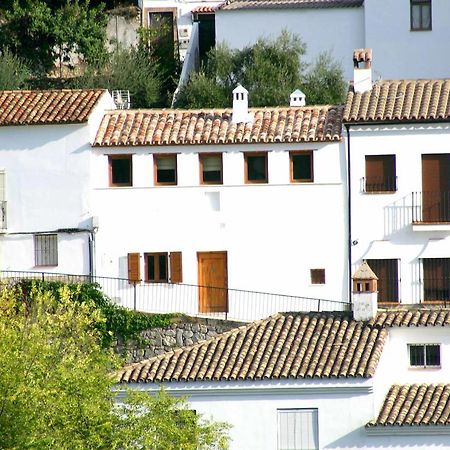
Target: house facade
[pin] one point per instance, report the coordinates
(397, 138)
(45, 178)
(316, 381)
(236, 199)
(400, 32)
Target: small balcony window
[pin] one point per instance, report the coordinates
(380, 174)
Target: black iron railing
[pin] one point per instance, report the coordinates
(431, 207)
(233, 304)
(378, 184)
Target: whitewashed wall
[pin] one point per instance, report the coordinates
(382, 223)
(337, 30)
(401, 53)
(274, 233)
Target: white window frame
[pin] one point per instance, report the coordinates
(425, 365)
(296, 442)
(46, 249)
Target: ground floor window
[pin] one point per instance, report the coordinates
(387, 272)
(45, 249)
(298, 429)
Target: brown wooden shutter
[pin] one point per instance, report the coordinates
(134, 270)
(176, 272)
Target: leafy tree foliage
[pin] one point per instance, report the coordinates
(39, 33)
(56, 387)
(269, 70)
(13, 72)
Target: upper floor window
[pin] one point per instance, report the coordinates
(301, 164)
(45, 249)
(388, 280)
(424, 355)
(420, 15)
(317, 276)
(256, 169)
(120, 170)
(298, 429)
(210, 168)
(380, 174)
(165, 169)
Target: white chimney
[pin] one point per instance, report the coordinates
(362, 70)
(298, 98)
(240, 105)
(365, 293)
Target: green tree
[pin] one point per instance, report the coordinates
(13, 72)
(270, 70)
(41, 35)
(56, 384)
(324, 83)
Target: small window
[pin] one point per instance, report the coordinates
(298, 429)
(317, 276)
(256, 170)
(420, 15)
(424, 355)
(301, 166)
(120, 168)
(163, 267)
(46, 249)
(211, 168)
(165, 169)
(380, 174)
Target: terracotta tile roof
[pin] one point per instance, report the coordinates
(204, 10)
(47, 107)
(287, 4)
(400, 101)
(323, 345)
(362, 55)
(289, 345)
(185, 127)
(417, 404)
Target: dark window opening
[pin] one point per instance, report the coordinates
(380, 174)
(156, 267)
(436, 279)
(211, 169)
(317, 276)
(302, 166)
(387, 272)
(256, 168)
(120, 170)
(424, 355)
(165, 169)
(420, 15)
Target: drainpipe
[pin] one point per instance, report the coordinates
(349, 216)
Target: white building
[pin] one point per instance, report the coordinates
(194, 197)
(45, 178)
(317, 381)
(399, 147)
(408, 37)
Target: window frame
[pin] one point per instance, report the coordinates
(315, 427)
(318, 276)
(201, 157)
(382, 187)
(388, 287)
(294, 153)
(425, 365)
(111, 158)
(421, 5)
(430, 266)
(50, 259)
(161, 156)
(157, 278)
(266, 167)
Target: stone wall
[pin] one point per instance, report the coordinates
(185, 331)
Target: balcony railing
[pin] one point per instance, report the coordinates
(3, 223)
(379, 184)
(194, 300)
(431, 207)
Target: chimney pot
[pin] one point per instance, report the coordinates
(298, 98)
(240, 106)
(362, 72)
(365, 294)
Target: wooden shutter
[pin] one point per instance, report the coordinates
(380, 173)
(176, 271)
(134, 270)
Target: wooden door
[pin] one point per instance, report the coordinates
(436, 188)
(213, 282)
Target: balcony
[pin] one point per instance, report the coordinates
(431, 211)
(3, 224)
(240, 305)
(379, 185)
